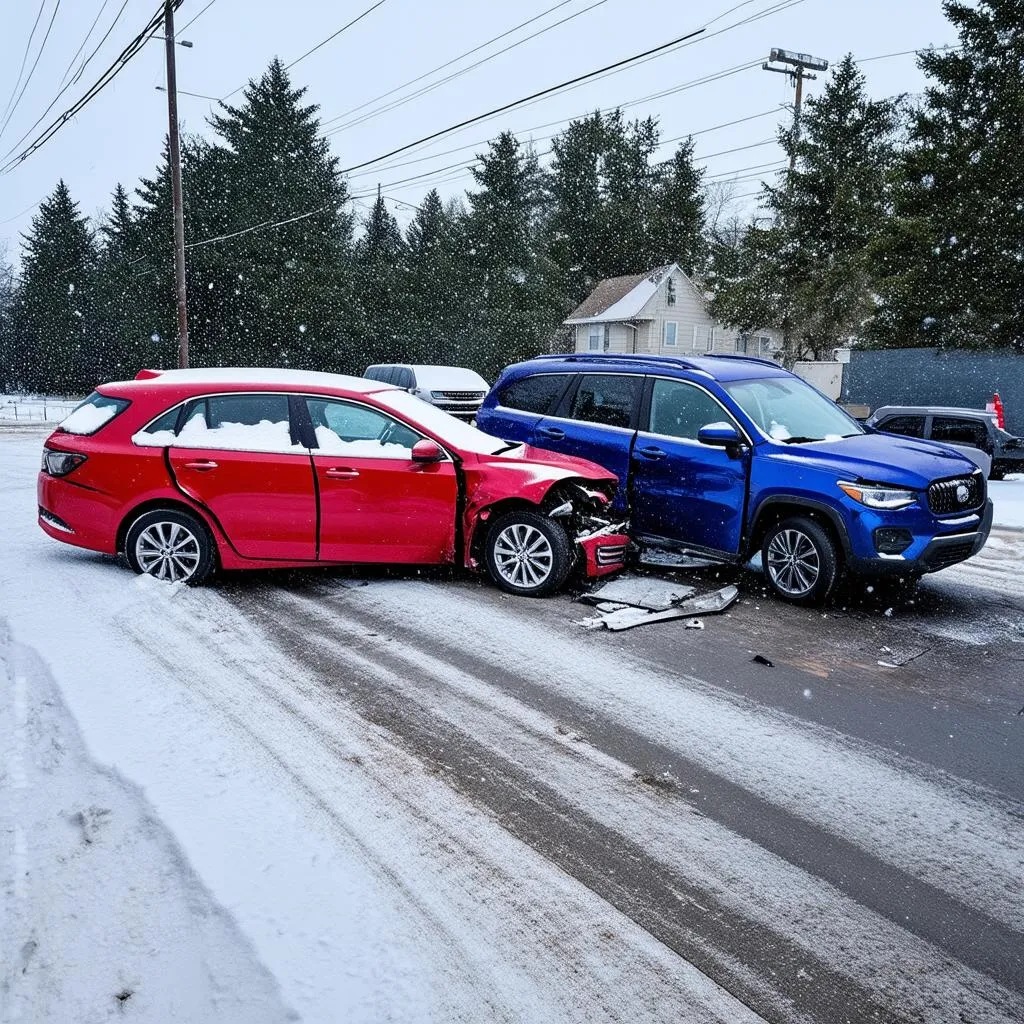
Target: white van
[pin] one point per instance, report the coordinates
(452, 388)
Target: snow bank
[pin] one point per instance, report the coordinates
(1008, 498)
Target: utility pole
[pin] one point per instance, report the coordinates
(176, 201)
(797, 67)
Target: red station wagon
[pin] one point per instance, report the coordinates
(183, 471)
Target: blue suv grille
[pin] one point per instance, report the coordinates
(960, 494)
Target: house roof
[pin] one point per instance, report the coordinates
(619, 298)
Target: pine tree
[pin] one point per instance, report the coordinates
(381, 288)
(514, 315)
(625, 236)
(289, 300)
(576, 206)
(54, 308)
(436, 288)
(8, 348)
(809, 274)
(678, 213)
(951, 258)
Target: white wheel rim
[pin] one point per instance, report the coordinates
(794, 564)
(168, 551)
(523, 556)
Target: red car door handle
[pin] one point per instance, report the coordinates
(341, 473)
(203, 465)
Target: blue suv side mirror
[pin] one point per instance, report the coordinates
(719, 435)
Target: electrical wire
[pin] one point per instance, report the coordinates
(76, 77)
(152, 26)
(448, 64)
(402, 100)
(88, 36)
(32, 70)
(185, 27)
(323, 42)
(24, 57)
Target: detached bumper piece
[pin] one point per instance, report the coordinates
(605, 553)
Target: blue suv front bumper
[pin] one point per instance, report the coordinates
(935, 543)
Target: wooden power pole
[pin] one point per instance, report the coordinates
(176, 200)
(797, 66)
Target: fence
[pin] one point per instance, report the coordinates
(928, 376)
(35, 408)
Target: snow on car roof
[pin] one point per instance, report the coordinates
(449, 377)
(261, 375)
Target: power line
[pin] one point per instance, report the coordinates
(32, 70)
(402, 100)
(181, 30)
(76, 76)
(904, 53)
(24, 57)
(323, 42)
(774, 8)
(106, 35)
(525, 99)
(448, 64)
(88, 36)
(152, 26)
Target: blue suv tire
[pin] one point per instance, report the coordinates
(800, 560)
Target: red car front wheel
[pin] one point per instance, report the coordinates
(528, 554)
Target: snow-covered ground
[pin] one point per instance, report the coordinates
(169, 854)
(199, 820)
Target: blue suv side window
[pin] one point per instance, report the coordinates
(680, 410)
(534, 394)
(609, 399)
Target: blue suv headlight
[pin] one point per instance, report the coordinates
(873, 496)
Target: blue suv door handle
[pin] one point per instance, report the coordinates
(651, 453)
(552, 432)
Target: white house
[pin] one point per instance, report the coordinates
(661, 312)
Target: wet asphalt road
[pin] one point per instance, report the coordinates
(913, 831)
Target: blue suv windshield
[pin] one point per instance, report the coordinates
(788, 410)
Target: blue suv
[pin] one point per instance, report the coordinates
(727, 456)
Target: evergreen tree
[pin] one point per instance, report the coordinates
(121, 317)
(809, 274)
(951, 259)
(625, 236)
(290, 300)
(381, 289)
(576, 207)
(53, 312)
(436, 288)
(8, 357)
(514, 315)
(678, 213)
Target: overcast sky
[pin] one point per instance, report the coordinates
(117, 137)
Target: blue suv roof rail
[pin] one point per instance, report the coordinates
(744, 358)
(626, 357)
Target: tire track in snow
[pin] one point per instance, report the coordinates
(395, 702)
(283, 729)
(949, 834)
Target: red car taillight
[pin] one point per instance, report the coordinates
(60, 463)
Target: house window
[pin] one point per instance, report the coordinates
(711, 339)
(671, 334)
(594, 338)
(607, 337)
(764, 345)
(741, 342)
(670, 293)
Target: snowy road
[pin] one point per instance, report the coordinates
(302, 797)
